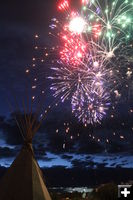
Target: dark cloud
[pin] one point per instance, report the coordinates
(116, 148)
(56, 144)
(67, 157)
(79, 163)
(90, 147)
(88, 157)
(113, 164)
(40, 153)
(44, 158)
(2, 122)
(6, 152)
(12, 133)
(88, 164)
(2, 118)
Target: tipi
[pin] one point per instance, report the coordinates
(24, 180)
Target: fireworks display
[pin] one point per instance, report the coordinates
(94, 55)
(90, 108)
(63, 5)
(77, 25)
(74, 50)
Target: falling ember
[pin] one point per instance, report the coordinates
(34, 87)
(57, 131)
(27, 71)
(64, 146)
(107, 140)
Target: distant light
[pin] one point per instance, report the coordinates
(77, 25)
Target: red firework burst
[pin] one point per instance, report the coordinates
(73, 51)
(63, 5)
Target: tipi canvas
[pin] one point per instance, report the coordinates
(24, 179)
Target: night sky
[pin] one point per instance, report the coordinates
(102, 148)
